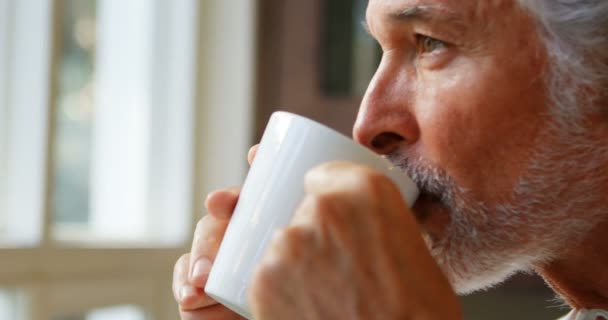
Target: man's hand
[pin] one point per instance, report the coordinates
(353, 251)
(192, 270)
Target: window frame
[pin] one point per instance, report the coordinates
(25, 105)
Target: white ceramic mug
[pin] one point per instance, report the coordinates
(274, 187)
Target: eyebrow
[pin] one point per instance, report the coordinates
(425, 13)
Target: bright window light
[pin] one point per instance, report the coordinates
(119, 312)
(12, 305)
(123, 135)
(24, 74)
(126, 312)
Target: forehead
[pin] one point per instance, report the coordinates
(465, 10)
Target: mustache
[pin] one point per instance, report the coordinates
(432, 181)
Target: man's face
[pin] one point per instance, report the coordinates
(459, 102)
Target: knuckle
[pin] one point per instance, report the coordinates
(280, 236)
(371, 182)
(201, 224)
(366, 177)
(262, 284)
(198, 234)
(290, 247)
(183, 260)
(322, 208)
(319, 209)
(264, 276)
(291, 236)
(285, 247)
(322, 201)
(320, 172)
(281, 240)
(209, 231)
(179, 271)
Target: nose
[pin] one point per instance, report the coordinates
(386, 120)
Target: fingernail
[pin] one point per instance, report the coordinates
(187, 292)
(202, 267)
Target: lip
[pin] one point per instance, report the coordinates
(433, 216)
(424, 205)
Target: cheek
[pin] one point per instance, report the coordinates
(479, 125)
(447, 109)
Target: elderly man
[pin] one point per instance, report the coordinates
(498, 110)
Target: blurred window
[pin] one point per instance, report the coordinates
(24, 69)
(97, 121)
(122, 153)
(349, 55)
(128, 312)
(121, 144)
(12, 305)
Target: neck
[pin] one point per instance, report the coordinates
(580, 276)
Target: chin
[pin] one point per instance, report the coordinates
(471, 258)
(479, 243)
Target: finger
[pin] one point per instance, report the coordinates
(359, 188)
(187, 296)
(180, 276)
(207, 238)
(192, 298)
(301, 216)
(311, 211)
(221, 203)
(342, 176)
(252, 152)
(216, 312)
(350, 178)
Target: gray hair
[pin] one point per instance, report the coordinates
(575, 33)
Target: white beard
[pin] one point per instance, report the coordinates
(554, 204)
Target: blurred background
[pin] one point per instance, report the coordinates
(118, 116)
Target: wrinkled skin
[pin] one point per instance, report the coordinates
(472, 108)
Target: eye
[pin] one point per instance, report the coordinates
(428, 44)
